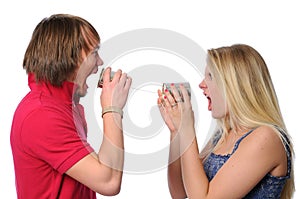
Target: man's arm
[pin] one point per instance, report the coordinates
(102, 172)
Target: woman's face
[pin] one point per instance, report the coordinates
(216, 101)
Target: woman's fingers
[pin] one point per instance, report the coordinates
(184, 92)
(169, 101)
(160, 100)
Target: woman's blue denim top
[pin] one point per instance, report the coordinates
(269, 187)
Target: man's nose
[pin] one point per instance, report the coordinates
(99, 62)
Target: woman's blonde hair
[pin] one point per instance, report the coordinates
(242, 74)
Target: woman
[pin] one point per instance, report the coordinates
(250, 154)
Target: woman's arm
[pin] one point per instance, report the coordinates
(175, 182)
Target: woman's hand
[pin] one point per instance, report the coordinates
(176, 109)
(115, 92)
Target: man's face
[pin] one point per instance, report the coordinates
(88, 66)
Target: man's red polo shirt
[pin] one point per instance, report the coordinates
(48, 136)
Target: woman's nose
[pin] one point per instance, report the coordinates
(203, 85)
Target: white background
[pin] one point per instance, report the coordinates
(272, 27)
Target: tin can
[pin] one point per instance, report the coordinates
(185, 84)
(100, 81)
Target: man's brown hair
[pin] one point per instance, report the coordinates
(56, 47)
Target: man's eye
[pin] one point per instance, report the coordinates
(95, 52)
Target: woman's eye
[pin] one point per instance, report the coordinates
(210, 76)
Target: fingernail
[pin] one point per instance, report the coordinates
(166, 90)
(172, 84)
(165, 97)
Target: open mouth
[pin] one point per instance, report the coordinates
(209, 103)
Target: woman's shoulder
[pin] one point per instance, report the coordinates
(266, 132)
(266, 144)
(264, 137)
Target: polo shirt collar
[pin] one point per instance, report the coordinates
(64, 92)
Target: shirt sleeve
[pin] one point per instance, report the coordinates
(54, 137)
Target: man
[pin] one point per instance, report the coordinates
(52, 157)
